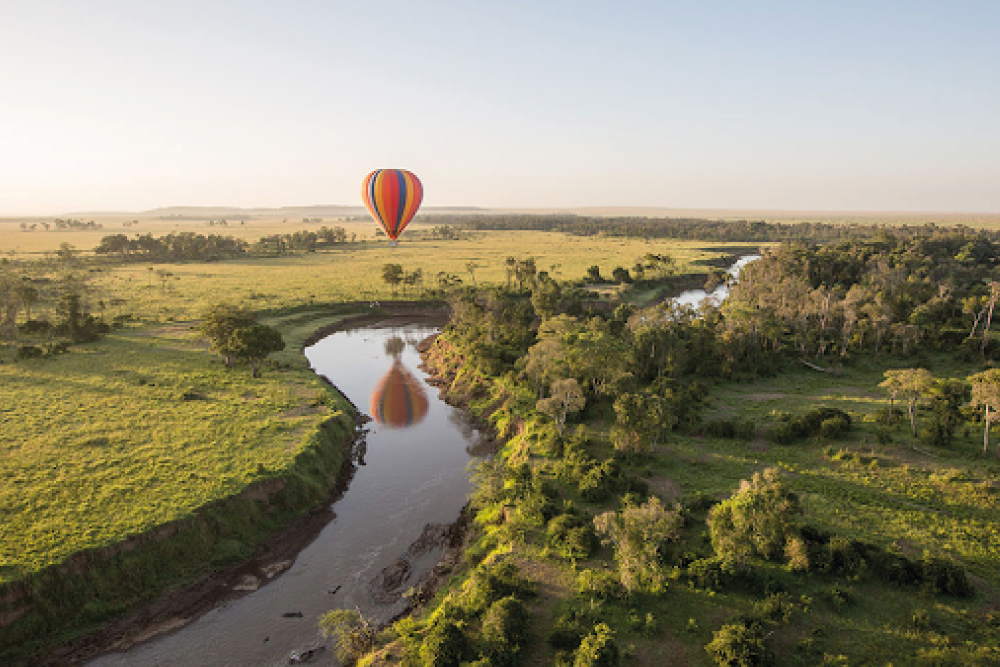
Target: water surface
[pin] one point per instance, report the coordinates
(414, 472)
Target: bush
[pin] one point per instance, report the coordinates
(29, 352)
(730, 428)
(572, 536)
(599, 585)
(756, 521)
(445, 645)
(710, 573)
(504, 630)
(943, 577)
(790, 428)
(738, 645)
(490, 583)
(642, 538)
(598, 649)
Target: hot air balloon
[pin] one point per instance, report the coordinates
(392, 196)
(399, 400)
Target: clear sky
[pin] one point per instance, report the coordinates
(793, 104)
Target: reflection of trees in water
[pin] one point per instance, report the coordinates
(394, 346)
(479, 444)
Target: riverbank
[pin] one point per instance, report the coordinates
(239, 540)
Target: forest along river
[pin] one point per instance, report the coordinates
(410, 482)
(412, 475)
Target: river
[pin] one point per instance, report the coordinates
(414, 473)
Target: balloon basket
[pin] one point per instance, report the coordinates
(393, 244)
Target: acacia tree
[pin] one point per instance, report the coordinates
(566, 397)
(908, 383)
(253, 343)
(220, 322)
(986, 392)
(392, 274)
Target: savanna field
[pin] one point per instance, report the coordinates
(146, 425)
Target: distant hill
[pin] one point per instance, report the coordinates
(313, 211)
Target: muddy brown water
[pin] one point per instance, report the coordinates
(411, 479)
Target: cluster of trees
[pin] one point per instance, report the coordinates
(650, 365)
(689, 228)
(303, 240)
(893, 292)
(41, 314)
(61, 224)
(236, 335)
(188, 246)
(173, 247)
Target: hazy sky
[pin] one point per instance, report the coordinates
(795, 104)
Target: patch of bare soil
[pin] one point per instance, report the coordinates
(662, 650)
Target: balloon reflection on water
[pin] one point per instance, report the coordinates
(399, 400)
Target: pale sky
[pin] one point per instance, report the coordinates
(767, 104)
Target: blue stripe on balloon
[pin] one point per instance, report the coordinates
(402, 197)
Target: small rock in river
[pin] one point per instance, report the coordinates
(292, 614)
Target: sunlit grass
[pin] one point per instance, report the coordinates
(100, 444)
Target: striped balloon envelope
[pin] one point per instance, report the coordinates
(392, 196)
(399, 400)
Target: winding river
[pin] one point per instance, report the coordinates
(412, 473)
(411, 478)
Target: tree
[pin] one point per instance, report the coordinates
(566, 397)
(594, 274)
(620, 275)
(986, 392)
(220, 322)
(471, 268)
(640, 418)
(641, 536)
(947, 398)
(392, 274)
(756, 520)
(353, 633)
(253, 343)
(908, 383)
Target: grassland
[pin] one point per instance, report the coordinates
(354, 272)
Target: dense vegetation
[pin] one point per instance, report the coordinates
(758, 231)
(662, 517)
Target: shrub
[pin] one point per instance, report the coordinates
(835, 427)
(599, 585)
(730, 428)
(29, 352)
(445, 645)
(504, 630)
(354, 635)
(598, 649)
(756, 521)
(571, 536)
(941, 576)
(490, 583)
(641, 537)
(738, 645)
(710, 573)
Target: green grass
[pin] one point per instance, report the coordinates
(98, 445)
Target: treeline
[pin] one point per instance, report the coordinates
(61, 224)
(696, 228)
(893, 294)
(185, 246)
